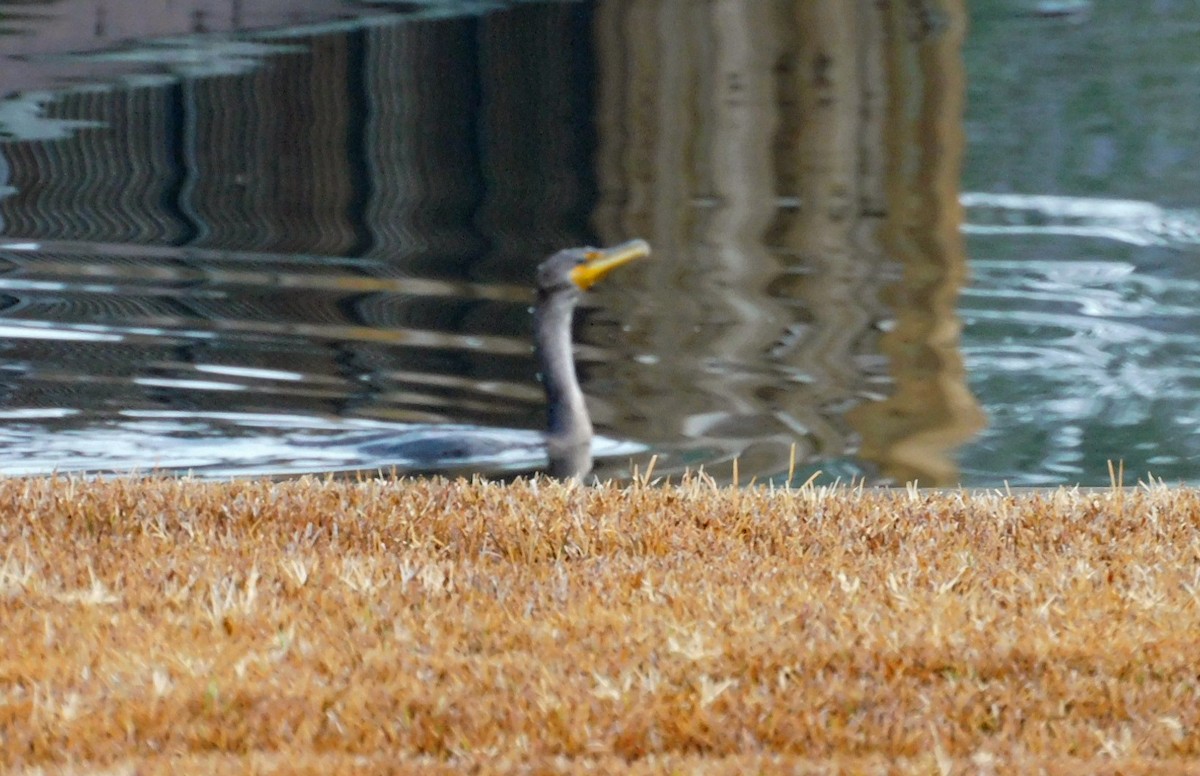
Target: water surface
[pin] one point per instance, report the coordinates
(249, 245)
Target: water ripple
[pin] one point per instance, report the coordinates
(225, 362)
(1082, 332)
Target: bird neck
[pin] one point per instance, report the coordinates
(569, 429)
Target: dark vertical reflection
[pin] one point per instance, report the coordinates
(480, 156)
(358, 167)
(423, 158)
(536, 136)
(270, 155)
(102, 185)
(422, 145)
(174, 143)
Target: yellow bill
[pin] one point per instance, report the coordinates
(603, 261)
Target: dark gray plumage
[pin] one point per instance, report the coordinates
(561, 281)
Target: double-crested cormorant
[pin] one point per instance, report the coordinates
(561, 281)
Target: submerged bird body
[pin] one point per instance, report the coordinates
(561, 281)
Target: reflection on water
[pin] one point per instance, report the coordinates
(133, 359)
(301, 238)
(348, 235)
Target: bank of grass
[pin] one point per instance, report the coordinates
(430, 626)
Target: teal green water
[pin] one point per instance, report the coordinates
(1081, 321)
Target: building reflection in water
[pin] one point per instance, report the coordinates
(364, 209)
(803, 157)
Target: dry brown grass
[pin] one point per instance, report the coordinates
(432, 626)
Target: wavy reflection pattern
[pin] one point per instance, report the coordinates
(798, 164)
(350, 232)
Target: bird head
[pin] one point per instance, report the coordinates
(577, 269)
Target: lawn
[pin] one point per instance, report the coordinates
(164, 625)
